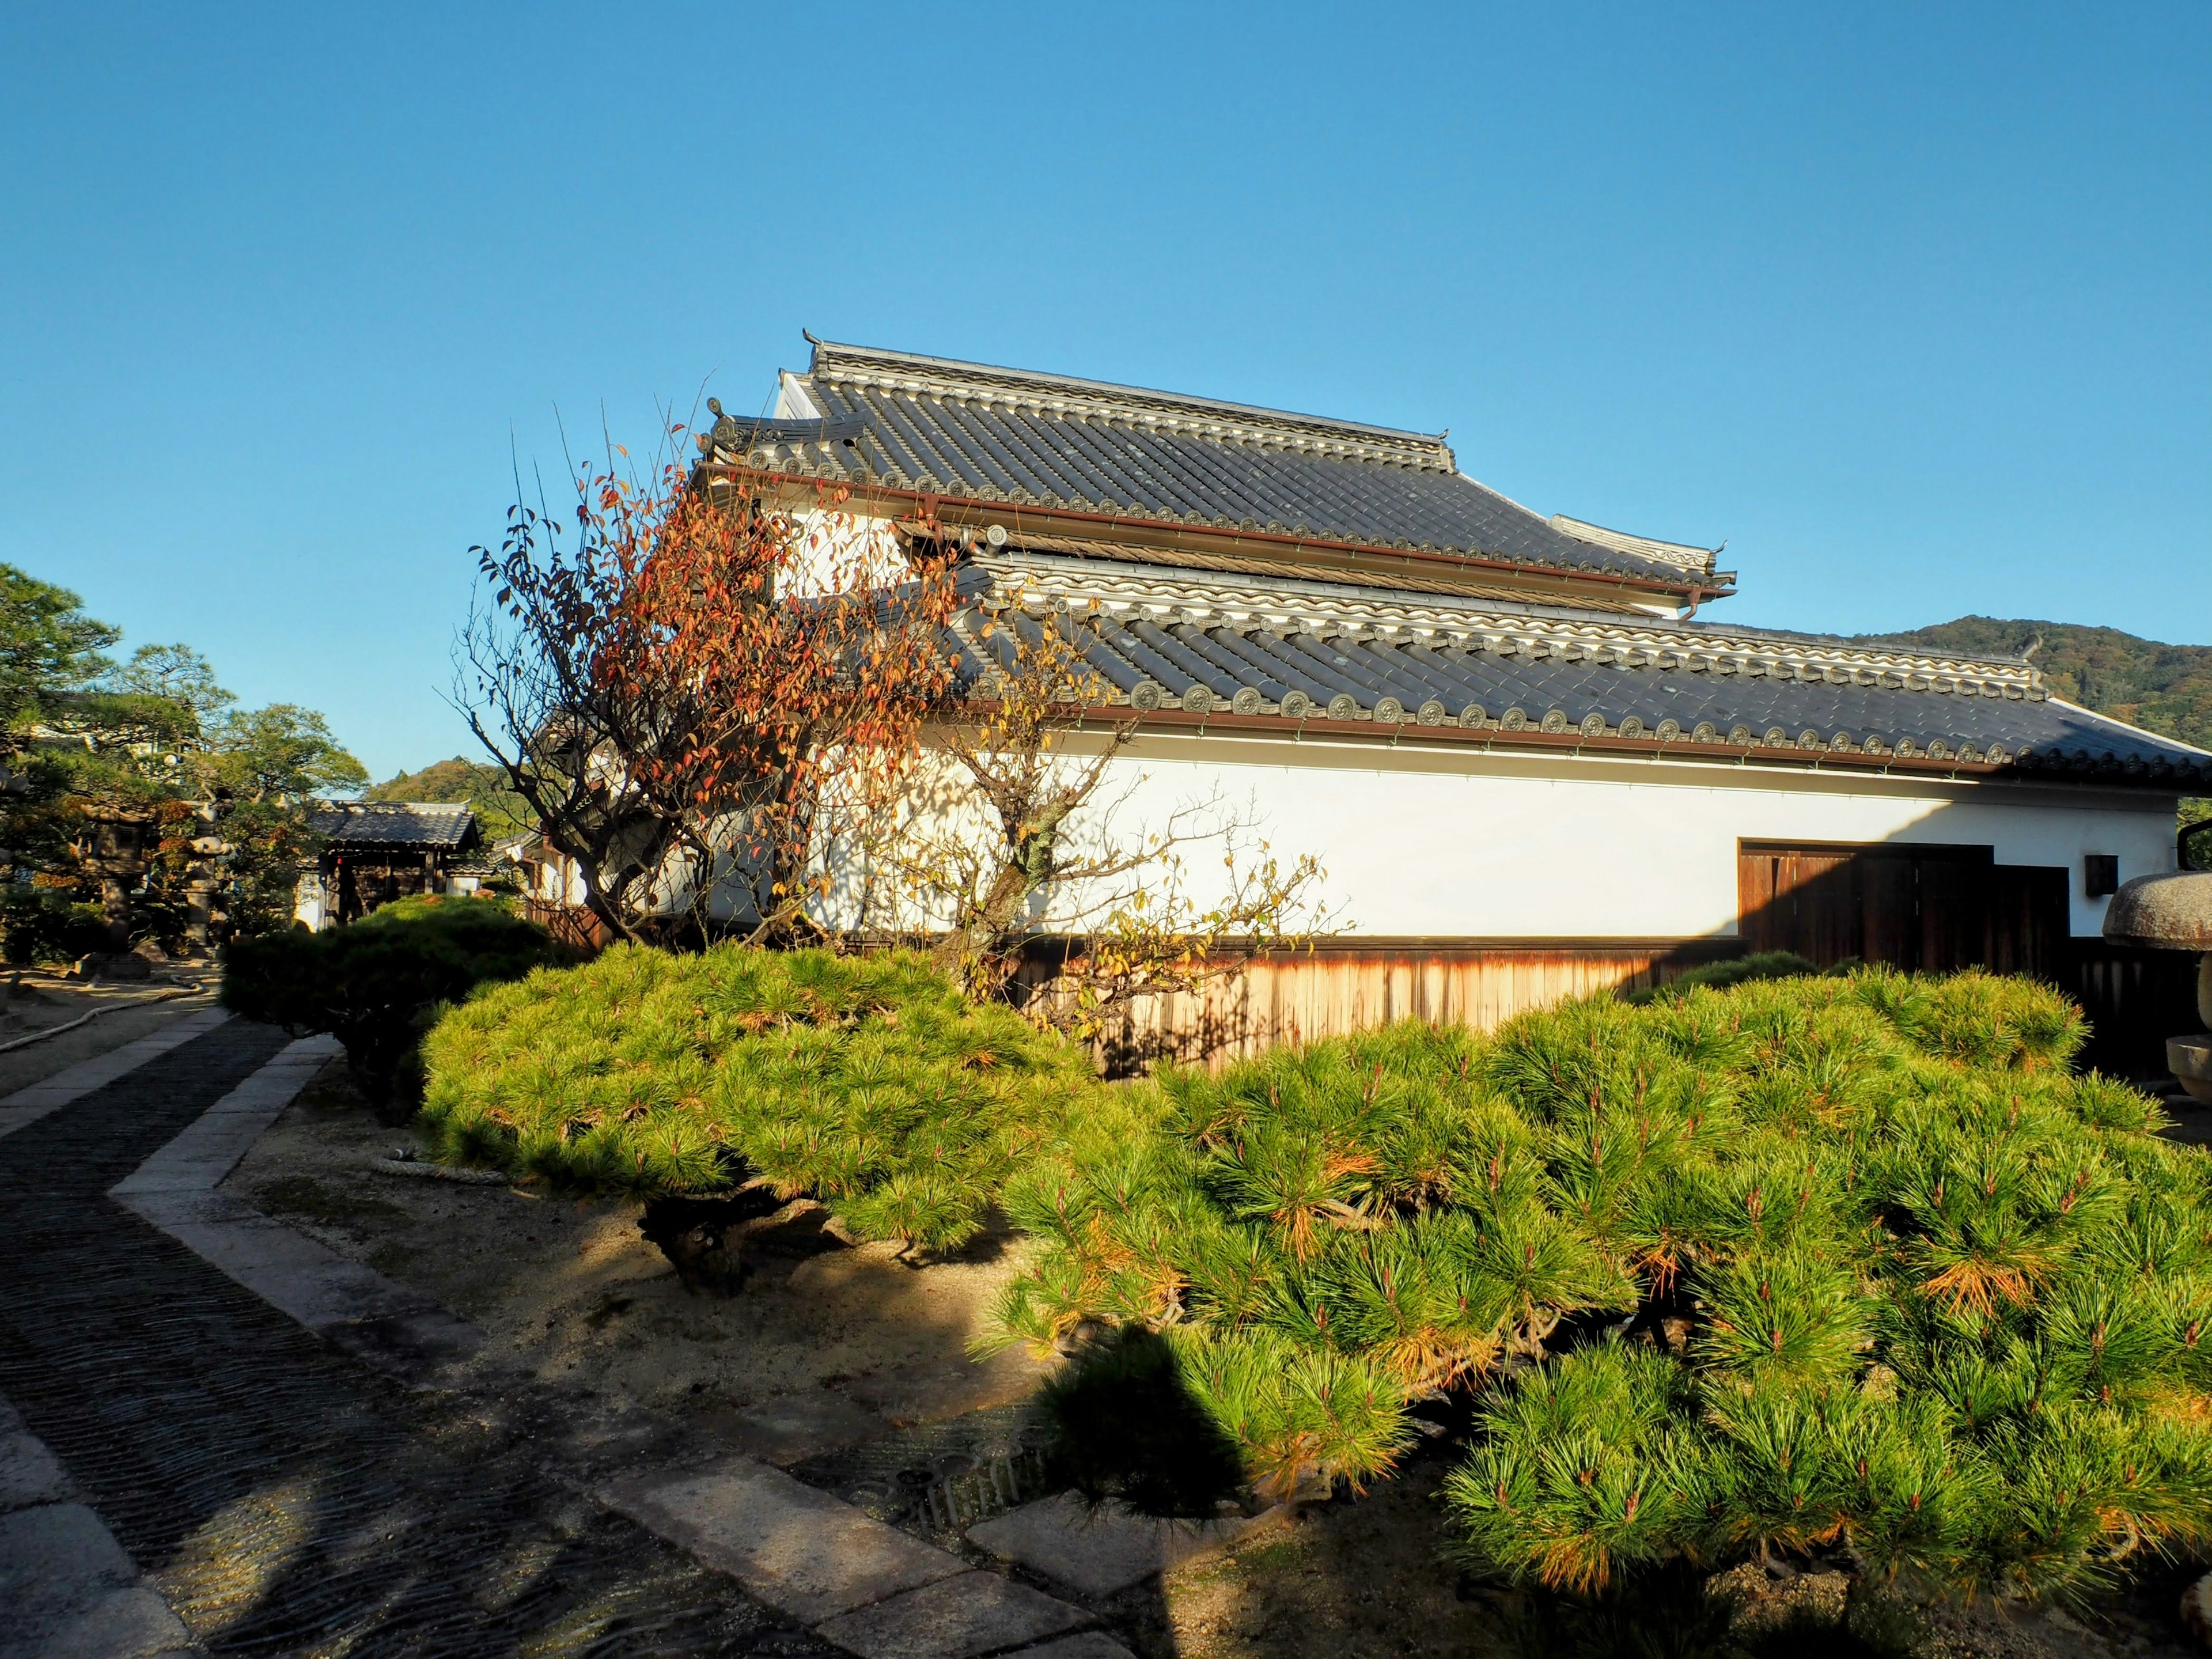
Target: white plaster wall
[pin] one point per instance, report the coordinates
(1489, 847)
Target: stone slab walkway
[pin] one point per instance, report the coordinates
(66, 1586)
(27, 1106)
(1097, 1550)
(866, 1586)
(280, 1497)
(353, 1307)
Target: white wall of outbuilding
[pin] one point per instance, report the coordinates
(1449, 842)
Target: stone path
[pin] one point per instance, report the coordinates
(66, 1586)
(281, 1498)
(27, 1106)
(370, 1519)
(349, 1306)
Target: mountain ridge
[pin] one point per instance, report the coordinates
(2165, 689)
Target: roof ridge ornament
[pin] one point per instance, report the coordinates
(931, 377)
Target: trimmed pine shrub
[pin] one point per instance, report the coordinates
(869, 1083)
(1719, 976)
(1808, 1262)
(48, 928)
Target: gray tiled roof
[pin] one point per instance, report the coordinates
(424, 825)
(1791, 699)
(971, 432)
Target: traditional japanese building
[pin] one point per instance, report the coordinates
(1533, 758)
(376, 851)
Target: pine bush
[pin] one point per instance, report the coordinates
(377, 982)
(869, 1083)
(1845, 1262)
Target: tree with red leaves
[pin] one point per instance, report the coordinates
(696, 690)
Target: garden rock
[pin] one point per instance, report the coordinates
(1097, 1550)
(2196, 1610)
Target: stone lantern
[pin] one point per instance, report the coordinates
(2174, 913)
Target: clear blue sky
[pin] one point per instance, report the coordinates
(1911, 304)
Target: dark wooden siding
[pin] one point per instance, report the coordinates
(2136, 998)
(1939, 909)
(1925, 909)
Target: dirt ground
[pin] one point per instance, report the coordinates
(826, 1345)
(841, 1342)
(35, 999)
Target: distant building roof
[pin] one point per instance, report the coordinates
(423, 826)
(969, 432)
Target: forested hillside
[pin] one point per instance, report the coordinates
(500, 812)
(2160, 688)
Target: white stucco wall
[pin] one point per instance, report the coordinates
(1463, 844)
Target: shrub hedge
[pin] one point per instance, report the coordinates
(868, 1082)
(1731, 970)
(49, 929)
(377, 983)
(1808, 1261)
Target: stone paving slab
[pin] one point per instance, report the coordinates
(211, 1146)
(787, 1428)
(800, 1550)
(67, 1590)
(1088, 1644)
(977, 1613)
(1097, 1550)
(379, 1321)
(49, 1094)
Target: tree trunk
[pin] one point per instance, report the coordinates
(693, 1234)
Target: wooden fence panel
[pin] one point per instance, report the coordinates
(1295, 996)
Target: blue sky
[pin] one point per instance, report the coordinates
(1909, 304)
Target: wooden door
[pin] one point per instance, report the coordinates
(1927, 908)
(1951, 886)
(2028, 920)
(1889, 929)
(1800, 899)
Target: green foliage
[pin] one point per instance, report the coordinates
(1718, 975)
(89, 748)
(49, 929)
(376, 983)
(1841, 1261)
(50, 650)
(2161, 688)
(869, 1083)
(282, 750)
